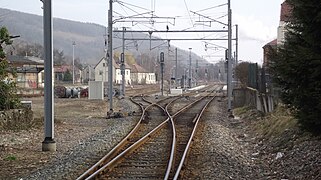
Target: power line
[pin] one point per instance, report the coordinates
(174, 31)
(189, 13)
(212, 7)
(121, 2)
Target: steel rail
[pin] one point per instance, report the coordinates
(110, 157)
(115, 150)
(107, 167)
(172, 155)
(124, 141)
(190, 140)
(171, 159)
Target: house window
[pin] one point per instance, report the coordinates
(126, 72)
(104, 64)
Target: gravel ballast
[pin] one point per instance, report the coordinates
(224, 148)
(81, 142)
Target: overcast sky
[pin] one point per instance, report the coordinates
(257, 20)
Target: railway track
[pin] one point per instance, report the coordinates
(163, 136)
(143, 126)
(185, 125)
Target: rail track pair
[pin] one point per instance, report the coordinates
(158, 145)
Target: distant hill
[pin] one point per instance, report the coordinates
(89, 38)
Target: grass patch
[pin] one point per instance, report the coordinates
(276, 123)
(11, 158)
(241, 110)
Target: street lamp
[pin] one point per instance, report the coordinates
(73, 62)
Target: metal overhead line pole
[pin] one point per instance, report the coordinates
(110, 57)
(190, 69)
(48, 144)
(73, 62)
(176, 67)
(229, 62)
(123, 69)
(237, 44)
(196, 72)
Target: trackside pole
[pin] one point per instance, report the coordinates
(110, 58)
(48, 144)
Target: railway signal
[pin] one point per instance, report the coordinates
(162, 72)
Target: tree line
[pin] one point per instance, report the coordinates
(37, 50)
(296, 65)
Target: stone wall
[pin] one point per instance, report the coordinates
(252, 98)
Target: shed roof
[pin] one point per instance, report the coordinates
(25, 60)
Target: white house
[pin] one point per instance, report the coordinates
(141, 76)
(87, 74)
(101, 72)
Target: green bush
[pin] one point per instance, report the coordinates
(8, 97)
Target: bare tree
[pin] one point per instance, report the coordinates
(241, 73)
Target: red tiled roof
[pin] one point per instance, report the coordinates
(285, 12)
(138, 69)
(62, 68)
(272, 43)
(115, 64)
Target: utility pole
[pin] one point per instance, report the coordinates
(73, 62)
(48, 144)
(229, 61)
(184, 79)
(190, 69)
(110, 57)
(237, 44)
(196, 72)
(176, 67)
(123, 69)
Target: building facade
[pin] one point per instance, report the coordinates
(141, 76)
(30, 71)
(101, 72)
(87, 74)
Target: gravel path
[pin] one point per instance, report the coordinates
(219, 152)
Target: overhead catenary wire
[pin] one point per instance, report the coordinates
(212, 7)
(188, 13)
(122, 5)
(141, 24)
(122, 2)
